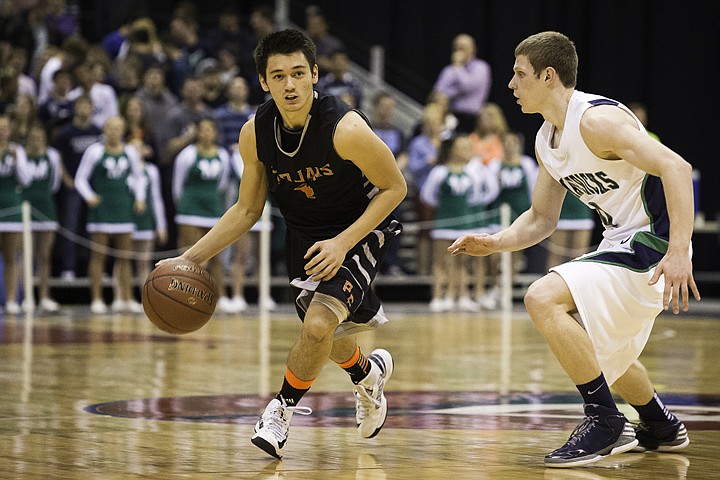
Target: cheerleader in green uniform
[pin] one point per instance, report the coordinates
(103, 180)
(14, 175)
(200, 177)
(46, 171)
(456, 189)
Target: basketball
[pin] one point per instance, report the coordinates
(179, 297)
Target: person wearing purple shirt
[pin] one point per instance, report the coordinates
(465, 82)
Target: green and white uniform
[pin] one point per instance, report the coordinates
(14, 175)
(108, 176)
(516, 186)
(153, 218)
(46, 175)
(459, 199)
(198, 186)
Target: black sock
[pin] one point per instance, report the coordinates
(293, 393)
(597, 392)
(654, 410)
(358, 366)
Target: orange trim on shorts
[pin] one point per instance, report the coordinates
(353, 360)
(295, 382)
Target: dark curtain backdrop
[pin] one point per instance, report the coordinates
(664, 53)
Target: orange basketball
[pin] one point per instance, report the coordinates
(179, 297)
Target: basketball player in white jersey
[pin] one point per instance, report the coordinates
(596, 312)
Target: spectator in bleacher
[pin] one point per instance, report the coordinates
(262, 23)
(62, 17)
(14, 175)
(384, 126)
(143, 44)
(19, 62)
(179, 126)
(105, 102)
(23, 115)
(71, 141)
(57, 110)
(422, 156)
(208, 70)
(102, 179)
(423, 149)
(338, 80)
(200, 178)
(71, 54)
(234, 114)
(449, 122)
(228, 34)
(318, 30)
(486, 137)
(157, 101)
(127, 79)
(184, 33)
(465, 82)
(46, 171)
(228, 65)
(137, 130)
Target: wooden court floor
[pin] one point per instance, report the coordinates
(476, 396)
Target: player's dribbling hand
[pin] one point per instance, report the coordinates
(676, 267)
(326, 258)
(476, 245)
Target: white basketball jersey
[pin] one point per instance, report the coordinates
(626, 198)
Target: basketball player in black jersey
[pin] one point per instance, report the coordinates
(336, 184)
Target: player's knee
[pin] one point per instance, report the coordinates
(318, 329)
(539, 301)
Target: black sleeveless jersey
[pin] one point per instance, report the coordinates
(318, 193)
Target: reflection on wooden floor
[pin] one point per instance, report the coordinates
(473, 396)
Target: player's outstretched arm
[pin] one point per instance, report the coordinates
(239, 218)
(531, 227)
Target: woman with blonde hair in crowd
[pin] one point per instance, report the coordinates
(486, 139)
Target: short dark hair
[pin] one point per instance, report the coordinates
(283, 42)
(551, 49)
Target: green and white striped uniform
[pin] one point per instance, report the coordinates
(45, 173)
(108, 176)
(198, 186)
(14, 175)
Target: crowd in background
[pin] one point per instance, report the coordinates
(128, 147)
